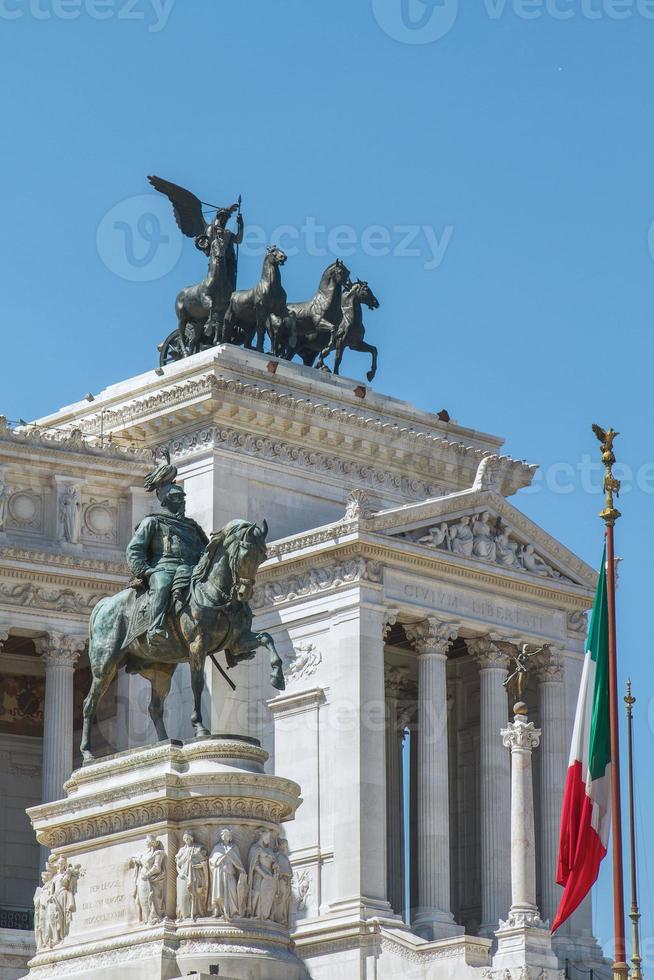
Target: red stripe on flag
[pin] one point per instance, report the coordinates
(580, 849)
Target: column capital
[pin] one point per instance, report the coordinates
(549, 665)
(521, 735)
(60, 649)
(431, 636)
(486, 651)
(389, 620)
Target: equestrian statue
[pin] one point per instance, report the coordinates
(187, 600)
(215, 312)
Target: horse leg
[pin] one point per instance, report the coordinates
(196, 663)
(262, 320)
(372, 350)
(247, 643)
(160, 678)
(99, 686)
(340, 349)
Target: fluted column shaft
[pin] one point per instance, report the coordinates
(522, 737)
(60, 654)
(394, 813)
(397, 684)
(495, 785)
(553, 762)
(434, 919)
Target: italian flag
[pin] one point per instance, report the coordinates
(586, 814)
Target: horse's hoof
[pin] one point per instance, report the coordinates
(201, 731)
(277, 680)
(370, 375)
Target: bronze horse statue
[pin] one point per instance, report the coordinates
(214, 616)
(351, 331)
(310, 327)
(250, 310)
(201, 308)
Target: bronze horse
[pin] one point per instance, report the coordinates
(351, 330)
(215, 616)
(250, 310)
(315, 322)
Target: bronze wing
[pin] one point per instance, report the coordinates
(187, 208)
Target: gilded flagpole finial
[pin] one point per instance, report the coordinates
(611, 485)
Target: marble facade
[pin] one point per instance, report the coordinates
(399, 579)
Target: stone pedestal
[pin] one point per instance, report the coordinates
(524, 941)
(167, 860)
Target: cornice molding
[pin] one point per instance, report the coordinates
(69, 440)
(76, 563)
(287, 454)
(391, 553)
(424, 449)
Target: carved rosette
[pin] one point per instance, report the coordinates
(59, 649)
(431, 637)
(487, 653)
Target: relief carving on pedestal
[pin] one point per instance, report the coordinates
(223, 884)
(54, 902)
(150, 867)
(192, 865)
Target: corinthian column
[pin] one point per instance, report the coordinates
(434, 919)
(60, 653)
(397, 684)
(495, 784)
(552, 772)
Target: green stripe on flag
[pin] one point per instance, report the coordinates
(598, 650)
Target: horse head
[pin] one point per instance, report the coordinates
(365, 295)
(242, 545)
(336, 274)
(275, 255)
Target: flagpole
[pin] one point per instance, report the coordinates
(634, 915)
(610, 515)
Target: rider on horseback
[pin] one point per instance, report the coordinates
(164, 549)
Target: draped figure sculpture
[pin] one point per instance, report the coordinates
(229, 880)
(192, 879)
(262, 877)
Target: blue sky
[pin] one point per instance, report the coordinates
(493, 184)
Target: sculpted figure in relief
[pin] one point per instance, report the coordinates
(40, 908)
(69, 514)
(229, 879)
(534, 563)
(4, 500)
(484, 543)
(150, 881)
(59, 901)
(192, 879)
(262, 877)
(284, 898)
(436, 537)
(506, 548)
(461, 537)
